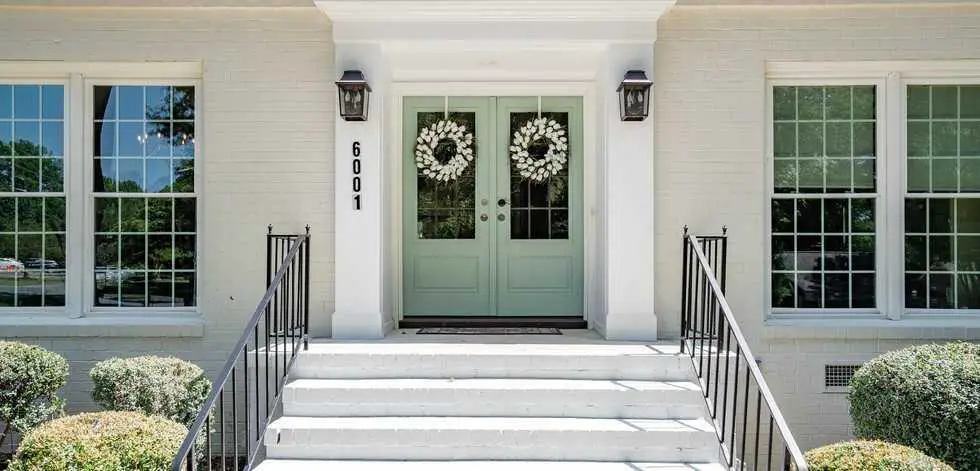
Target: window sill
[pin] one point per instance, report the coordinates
(874, 327)
(104, 326)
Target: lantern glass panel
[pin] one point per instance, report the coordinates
(353, 102)
(635, 102)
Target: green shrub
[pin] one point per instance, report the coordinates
(101, 441)
(30, 378)
(165, 386)
(926, 397)
(871, 456)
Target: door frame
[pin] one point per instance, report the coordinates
(394, 109)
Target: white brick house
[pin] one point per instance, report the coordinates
(747, 104)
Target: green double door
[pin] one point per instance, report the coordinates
(493, 237)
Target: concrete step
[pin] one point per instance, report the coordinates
(320, 465)
(340, 360)
(491, 438)
(484, 397)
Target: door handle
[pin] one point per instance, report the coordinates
(502, 202)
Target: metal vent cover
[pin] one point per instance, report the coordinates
(838, 376)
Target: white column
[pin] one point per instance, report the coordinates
(358, 232)
(628, 204)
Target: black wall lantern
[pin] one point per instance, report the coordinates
(634, 96)
(354, 93)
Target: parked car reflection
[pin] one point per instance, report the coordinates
(12, 268)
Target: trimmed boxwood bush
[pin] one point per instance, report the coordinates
(926, 397)
(871, 456)
(101, 441)
(166, 386)
(30, 378)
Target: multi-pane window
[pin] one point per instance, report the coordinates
(823, 219)
(539, 209)
(144, 197)
(446, 209)
(942, 203)
(32, 195)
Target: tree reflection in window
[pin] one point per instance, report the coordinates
(32, 198)
(145, 206)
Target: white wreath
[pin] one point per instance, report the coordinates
(428, 140)
(539, 169)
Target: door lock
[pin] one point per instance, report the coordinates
(484, 217)
(501, 217)
(502, 202)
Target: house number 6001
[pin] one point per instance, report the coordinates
(356, 167)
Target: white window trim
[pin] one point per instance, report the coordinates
(880, 219)
(79, 80)
(88, 297)
(891, 79)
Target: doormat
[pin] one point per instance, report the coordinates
(489, 331)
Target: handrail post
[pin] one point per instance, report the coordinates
(268, 258)
(684, 293)
(306, 293)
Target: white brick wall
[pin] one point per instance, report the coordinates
(268, 111)
(711, 117)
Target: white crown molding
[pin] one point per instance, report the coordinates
(493, 10)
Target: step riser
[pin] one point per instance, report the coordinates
(697, 447)
(502, 403)
(662, 368)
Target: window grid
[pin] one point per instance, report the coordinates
(447, 210)
(121, 189)
(943, 145)
(929, 270)
(32, 198)
(539, 210)
(801, 195)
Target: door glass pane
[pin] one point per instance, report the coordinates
(539, 199)
(446, 186)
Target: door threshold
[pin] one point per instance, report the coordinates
(570, 322)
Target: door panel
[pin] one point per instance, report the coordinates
(446, 248)
(541, 248)
(526, 257)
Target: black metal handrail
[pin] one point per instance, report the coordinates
(242, 402)
(727, 371)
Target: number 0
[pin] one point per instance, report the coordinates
(357, 166)
(356, 149)
(357, 184)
